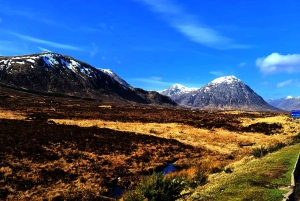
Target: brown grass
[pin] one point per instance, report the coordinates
(141, 138)
(217, 140)
(8, 114)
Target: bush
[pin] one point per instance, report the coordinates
(296, 139)
(262, 151)
(157, 187)
(228, 170)
(276, 147)
(200, 177)
(259, 152)
(133, 196)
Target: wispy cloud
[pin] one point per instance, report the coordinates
(277, 63)
(290, 82)
(242, 64)
(153, 80)
(94, 50)
(189, 26)
(156, 78)
(93, 30)
(216, 73)
(28, 13)
(45, 42)
(10, 47)
(24, 12)
(44, 49)
(266, 83)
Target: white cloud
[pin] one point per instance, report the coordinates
(44, 49)
(92, 30)
(188, 25)
(217, 73)
(153, 81)
(11, 48)
(288, 83)
(118, 61)
(94, 50)
(49, 43)
(266, 83)
(156, 78)
(276, 63)
(242, 64)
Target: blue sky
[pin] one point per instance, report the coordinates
(153, 44)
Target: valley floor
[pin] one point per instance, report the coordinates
(64, 148)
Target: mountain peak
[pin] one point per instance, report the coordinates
(225, 93)
(177, 86)
(50, 72)
(288, 103)
(225, 79)
(176, 91)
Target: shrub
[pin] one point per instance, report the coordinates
(296, 139)
(228, 170)
(157, 187)
(200, 177)
(276, 147)
(259, 152)
(133, 196)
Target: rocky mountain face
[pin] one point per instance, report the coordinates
(56, 73)
(289, 103)
(177, 91)
(224, 93)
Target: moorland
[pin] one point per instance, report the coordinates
(67, 148)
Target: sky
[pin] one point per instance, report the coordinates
(153, 44)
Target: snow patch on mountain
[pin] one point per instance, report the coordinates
(110, 73)
(226, 79)
(176, 90)
(49, 59)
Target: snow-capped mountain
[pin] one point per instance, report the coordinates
(56, 73)
(176, 91)
(288, 103)
(225, 93)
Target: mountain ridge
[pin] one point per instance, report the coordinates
(56, 73)
(224, 93)
(288, 103)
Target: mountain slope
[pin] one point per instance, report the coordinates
(289, 103)
(225, 93)
(56, 73)
(177, 91)
(116, 77)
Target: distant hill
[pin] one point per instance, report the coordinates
(56, 73)
(224, 93)
(288, 103)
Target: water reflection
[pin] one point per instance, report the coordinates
(169, 168)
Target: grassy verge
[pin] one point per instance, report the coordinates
(252, 179)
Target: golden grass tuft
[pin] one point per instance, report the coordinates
(8, 114)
